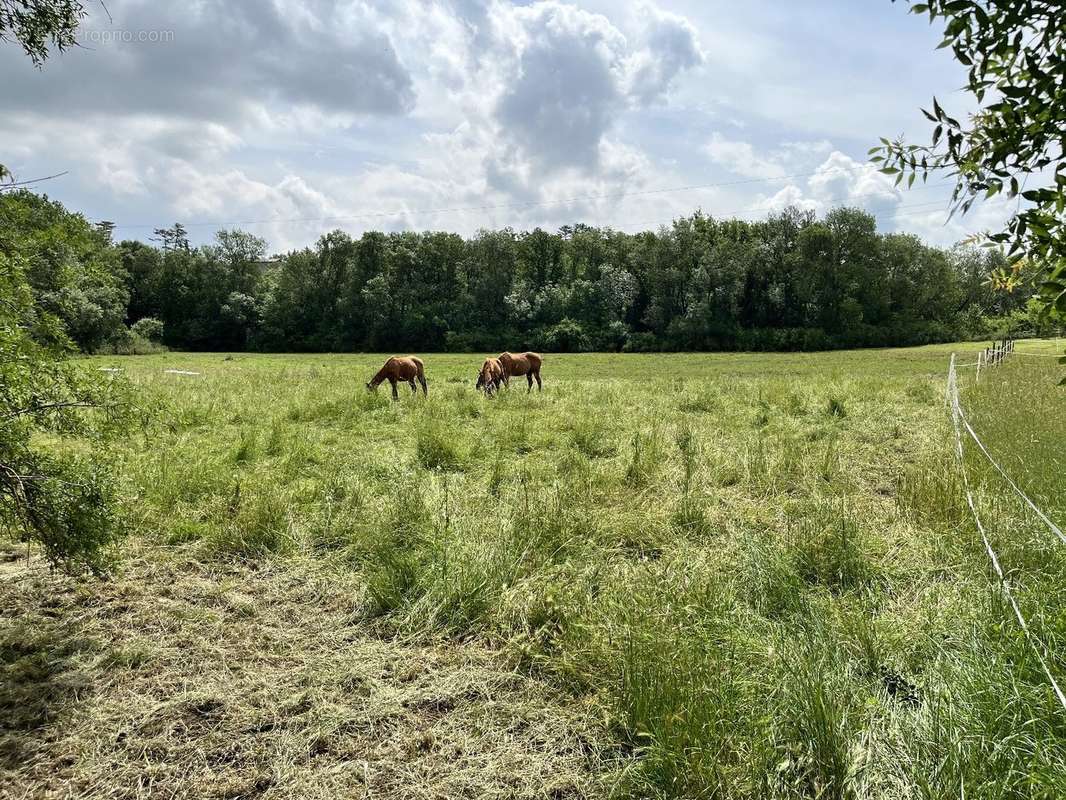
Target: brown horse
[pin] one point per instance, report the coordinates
(401, 368)
(527, 364)
(491, 375)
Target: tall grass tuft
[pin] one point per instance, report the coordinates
(690, 515)
(247, 445)
(437, 447)
(828, 549)
(591, 436)
(646, 457)
(255, 526)
(768, 578)
(813, 740)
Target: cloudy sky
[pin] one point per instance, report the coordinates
(293, 118)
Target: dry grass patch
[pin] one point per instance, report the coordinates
(179, 680)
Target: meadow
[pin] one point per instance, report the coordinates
(713, 575)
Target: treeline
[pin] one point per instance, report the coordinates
(789, 282)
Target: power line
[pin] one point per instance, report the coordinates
(760, 209)
(763, 209)
(19, 184)
(512, 205)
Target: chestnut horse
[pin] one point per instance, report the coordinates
(491, 375)
(401, 368)
(527, 364)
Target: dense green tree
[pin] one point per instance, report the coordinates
(54, 269)
(207, 298)
(1015, 53)
(72, 268)
(789, 281)
(56, 498)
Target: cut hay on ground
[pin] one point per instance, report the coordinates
(177, 681)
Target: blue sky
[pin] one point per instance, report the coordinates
(293, 118)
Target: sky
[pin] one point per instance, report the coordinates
(290, 119)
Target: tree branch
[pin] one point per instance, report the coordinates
(48, 407)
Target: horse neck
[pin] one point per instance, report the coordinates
(377, 379)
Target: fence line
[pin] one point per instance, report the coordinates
(1006, 348)
(1038, 647)
(997, 353)
(1054, 528)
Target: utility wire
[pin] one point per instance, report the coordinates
(1036, 644)
(763, 209)
(501, 206)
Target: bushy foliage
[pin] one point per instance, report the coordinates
(72, 269)
(148, 328)
(1015, 54)
(790, 282)
(55, 497)
(37, 25)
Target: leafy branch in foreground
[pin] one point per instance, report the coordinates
(35, 24)
(59, 499)
(1015, 142)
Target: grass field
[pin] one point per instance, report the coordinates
(718, 575)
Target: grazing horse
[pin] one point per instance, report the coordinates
(401, 368)
(527, 364)
(491, 375)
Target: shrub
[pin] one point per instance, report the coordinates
(65, 503)
(148, 328)
(124, 342)
(566, 336)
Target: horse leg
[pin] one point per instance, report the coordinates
(392, 383)
(411, 383)
(537, 376)
(425, 387)
(529, 380)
